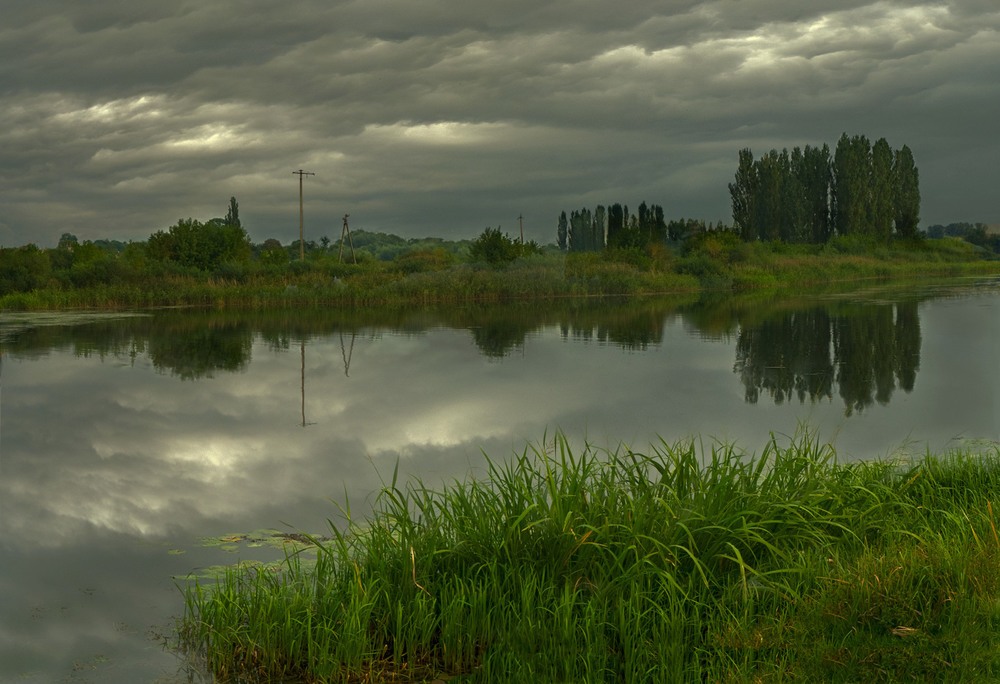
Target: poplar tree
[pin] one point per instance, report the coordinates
(815, 176)
(743, 191)
(562, 231)
(768, 204)
(233, 215)
(881, 184)
(851, 179)
(616, 225)
(906, 193)
(599, 226)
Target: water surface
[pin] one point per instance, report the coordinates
(125, 440)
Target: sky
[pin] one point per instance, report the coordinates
(443, 117)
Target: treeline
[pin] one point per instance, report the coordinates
(614, 227)
(810, 195)
(219, 248)
(976, 233)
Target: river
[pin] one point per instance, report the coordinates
(138, 448)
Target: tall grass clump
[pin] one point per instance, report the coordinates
(680, 564)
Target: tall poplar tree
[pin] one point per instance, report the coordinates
(770, 179)
(233, 215)
(616, 225)
(906, 193)
(599, 226)
(881, 209)
(743, 191)
(851, 178)
(815, 176)
(562, 231)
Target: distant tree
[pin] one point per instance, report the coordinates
(193, 244)
(67, 241)
(743, 191)
(581, 227)
(233, 215)
(598, 227)
(906, 193)
(771, 172)
(851, 189)
(814, 174)
(273, 253)
(23, 269)
(793, 226)
(881, 185)
(494, 248)
(616, 225)
(562, 231)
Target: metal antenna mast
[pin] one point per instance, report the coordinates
(302, 244)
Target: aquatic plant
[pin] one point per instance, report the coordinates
(680, 564)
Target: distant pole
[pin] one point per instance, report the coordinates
(520, 220)
(302, 244)
(346, 231)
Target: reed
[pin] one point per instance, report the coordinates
(678, 564)
(747, 267)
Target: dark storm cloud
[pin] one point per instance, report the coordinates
(439, 118)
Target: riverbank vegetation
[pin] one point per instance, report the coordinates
(800, 218)
(494, 268)
(677, 564)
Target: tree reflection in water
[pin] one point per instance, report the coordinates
(867, 351)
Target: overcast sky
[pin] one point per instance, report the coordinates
(443, 117)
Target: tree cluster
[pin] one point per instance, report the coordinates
(611, 227)
(203, 246)
(496, 248)
(976, 233)
(810, 195)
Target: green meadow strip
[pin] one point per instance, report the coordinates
(679, 563)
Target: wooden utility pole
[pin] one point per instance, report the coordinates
(302, 243)
(520, 220)
(346, 231)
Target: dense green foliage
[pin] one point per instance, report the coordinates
(497, 249)
(611, 566)
(608, 251)
(809, 195)
(203, 246)
(611, 227)
(89, 276)
(975, 233)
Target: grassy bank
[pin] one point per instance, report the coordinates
(713, 263)
(671, 565)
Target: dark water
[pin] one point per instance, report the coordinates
(124, 441)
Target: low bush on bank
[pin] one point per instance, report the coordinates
(674, 565)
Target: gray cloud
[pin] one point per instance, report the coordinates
(439, 118)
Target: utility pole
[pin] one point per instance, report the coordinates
(520, 220)
(346, 232)
(302, 244)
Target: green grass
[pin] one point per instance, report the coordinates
(713, 263)
(680, 564)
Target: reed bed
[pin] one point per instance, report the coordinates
(679, 564)
(755, 267)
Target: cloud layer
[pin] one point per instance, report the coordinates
(440, 118)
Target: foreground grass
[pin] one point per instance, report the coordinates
(601, 566)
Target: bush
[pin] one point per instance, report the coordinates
(497, 249)
(23, 269)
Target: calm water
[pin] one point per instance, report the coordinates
(124, 441)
